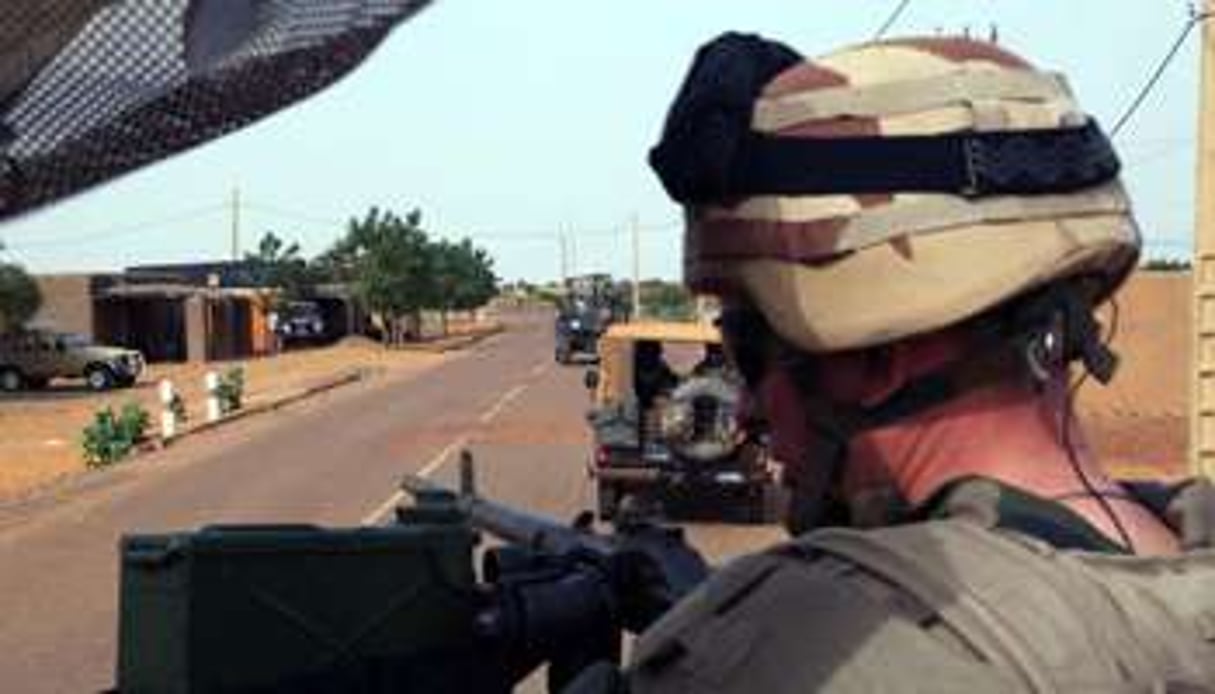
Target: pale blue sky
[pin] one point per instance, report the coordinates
(508, 121)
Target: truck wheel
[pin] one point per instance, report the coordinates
(10, 379)
(99, 377)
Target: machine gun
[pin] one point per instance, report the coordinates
(562, 595)
(398, 608)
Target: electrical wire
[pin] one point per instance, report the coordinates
(1069, 416)
(486, 236)
(890, 21)
(1195, 19)
(120, 231)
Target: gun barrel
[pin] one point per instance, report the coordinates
(530, 530)
(510, 524)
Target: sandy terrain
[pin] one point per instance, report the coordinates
(1138, 423)
(40, 439)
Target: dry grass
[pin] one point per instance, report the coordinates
(40, 432)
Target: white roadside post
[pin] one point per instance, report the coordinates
(168, 418)
(213, 408)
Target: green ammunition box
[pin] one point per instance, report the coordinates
(296, 608)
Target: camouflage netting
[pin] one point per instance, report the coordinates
(91, 89)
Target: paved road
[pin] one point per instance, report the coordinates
(333, 460)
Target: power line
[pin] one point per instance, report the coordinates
(485, 235)
(121, 231)
(894, 17)
(284, 213)
(1195, 19)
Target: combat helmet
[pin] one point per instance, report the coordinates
(888, 189)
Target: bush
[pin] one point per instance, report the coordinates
(231, 390)
(1167, 265)
(111, 438)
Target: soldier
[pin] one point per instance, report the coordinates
(910, 239)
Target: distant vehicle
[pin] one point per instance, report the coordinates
(299, 321)
(671, 435)
(577, 330)
(32, 358)
(590, 305)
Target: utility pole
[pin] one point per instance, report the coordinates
(635, 228)
(565, 270)
(1202, 383)
(573, 254)
(236, 224)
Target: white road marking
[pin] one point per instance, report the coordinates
(489, 415)
(539, 369)
(427, 470)
(437, 462)
(382, 510)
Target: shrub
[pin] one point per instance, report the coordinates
(1167, 265)
(231, 390)
(111, 437)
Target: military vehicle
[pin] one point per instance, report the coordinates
(671, 435)
(577, 329)
(32, 358)
(591, 303)
(298, 322)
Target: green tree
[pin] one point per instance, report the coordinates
(666, 300)
(387, 260)
(463, 278)
(278, 265)
(1166, 265)
(20, 297)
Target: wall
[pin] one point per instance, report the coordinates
(67, 304)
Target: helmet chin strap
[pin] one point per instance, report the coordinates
(1037, 338)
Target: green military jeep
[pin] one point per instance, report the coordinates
(31, 358)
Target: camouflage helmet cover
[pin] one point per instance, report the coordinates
(834, 265)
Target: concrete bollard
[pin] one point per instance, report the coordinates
(214, 411)
(168, 418)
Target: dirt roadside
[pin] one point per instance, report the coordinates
(40, 432)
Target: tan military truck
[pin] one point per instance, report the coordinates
(664, 419)
(32, 358)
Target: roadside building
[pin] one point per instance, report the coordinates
(188, 312)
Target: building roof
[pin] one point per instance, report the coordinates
(168, 290)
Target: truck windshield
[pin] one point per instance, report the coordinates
(75, 341)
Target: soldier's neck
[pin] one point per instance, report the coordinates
(1009, 433)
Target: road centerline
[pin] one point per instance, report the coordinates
(427, 470)
(437, 462)
(492, 413)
